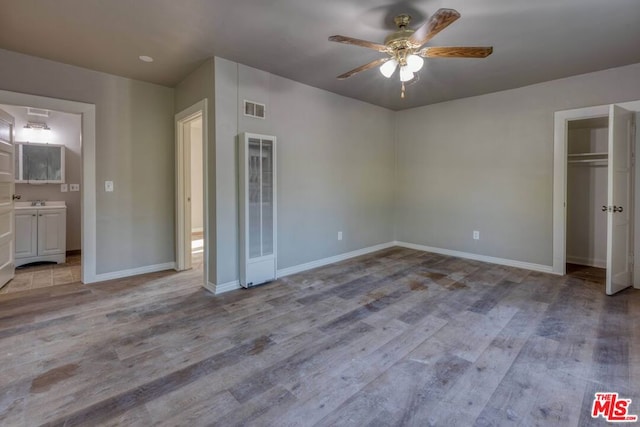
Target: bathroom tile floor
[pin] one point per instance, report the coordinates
(41, 275)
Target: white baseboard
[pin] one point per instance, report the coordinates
(476, 257)
(235, 284)
(599, 263)
(330, 260)
(224, 287)
(197, 229)
(133, 272)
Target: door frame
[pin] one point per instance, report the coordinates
(561, 123)
(88, 222)
(183, 171)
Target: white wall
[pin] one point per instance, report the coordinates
(586, 194)
(335, 166)
(197, 178)
(486, 163)
(134, 149)
(65, 130)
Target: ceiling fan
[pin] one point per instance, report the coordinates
(405, 50)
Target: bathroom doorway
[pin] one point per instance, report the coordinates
(191, 189)
(48, 185)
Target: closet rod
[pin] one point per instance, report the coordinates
(588, 161)
(605, 154)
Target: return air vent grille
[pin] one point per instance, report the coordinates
(254, 109)
(37, 112)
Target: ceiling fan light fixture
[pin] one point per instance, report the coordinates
(406, 74)
(414, 63)
(388, 68)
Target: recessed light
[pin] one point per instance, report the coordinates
(145, 58)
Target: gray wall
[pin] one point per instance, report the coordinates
(335, 166)
(486, 163)
(65, 130)
(199, 85)
(134, 148)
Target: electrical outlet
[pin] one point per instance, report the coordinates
(476, 235)
(108, 186)
(74, 187)
(339, 235)
(64, 188)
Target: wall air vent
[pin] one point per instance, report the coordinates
(37, 112)
(254, 109)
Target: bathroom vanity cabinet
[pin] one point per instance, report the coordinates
(40, 233)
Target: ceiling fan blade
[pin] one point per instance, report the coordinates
(438, 22)
(363, 68)
(456, 52)
(357, 42)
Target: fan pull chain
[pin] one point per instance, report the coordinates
(402, 92)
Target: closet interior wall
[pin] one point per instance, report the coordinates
(587, 193)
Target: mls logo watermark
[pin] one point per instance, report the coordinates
(612, 408)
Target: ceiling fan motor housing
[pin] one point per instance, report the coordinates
(397, 43)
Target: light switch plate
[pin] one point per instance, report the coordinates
(74, 187)
(64, 188)
(108, 186)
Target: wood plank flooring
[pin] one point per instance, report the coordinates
(398, 337)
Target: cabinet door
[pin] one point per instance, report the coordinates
(26, 233)
(52, 225)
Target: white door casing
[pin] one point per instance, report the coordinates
(619, 251)
(183, 187)
(7, 185)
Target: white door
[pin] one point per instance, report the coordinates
(7, 182)
(619, 214)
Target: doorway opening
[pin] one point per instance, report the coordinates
(577, 230)
(48, 183)
(87, 190)
(587, 170)
(191, 189)
(196, 194)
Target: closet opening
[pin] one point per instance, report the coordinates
(587, 189)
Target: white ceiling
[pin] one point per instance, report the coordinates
(533, 41)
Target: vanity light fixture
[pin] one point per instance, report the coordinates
(37, 125)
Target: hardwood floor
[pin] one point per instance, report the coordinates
(399, 337)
